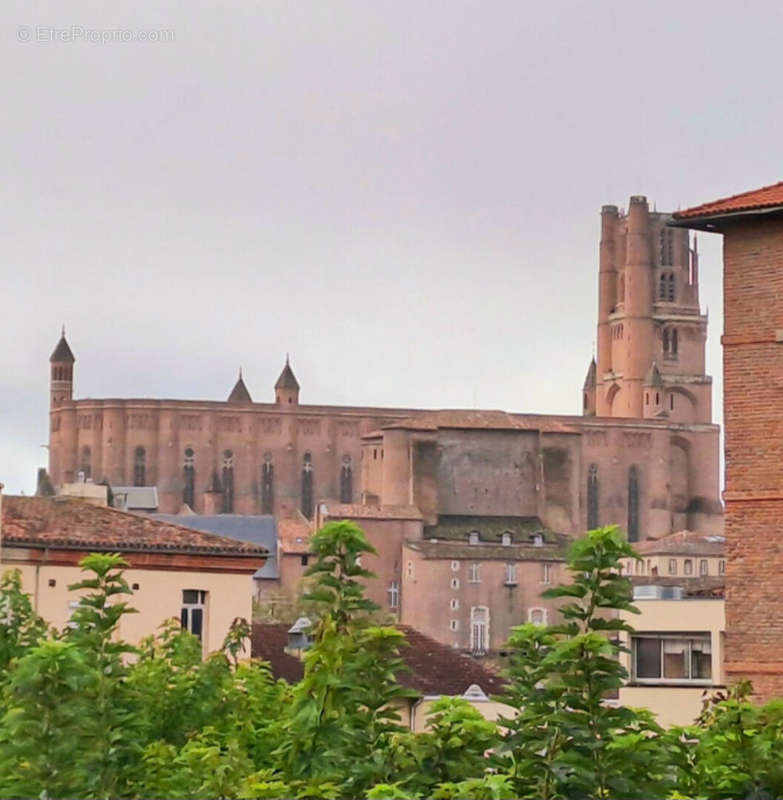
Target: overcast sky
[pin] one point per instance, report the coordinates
(404, 195)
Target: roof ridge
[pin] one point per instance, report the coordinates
(693, 210)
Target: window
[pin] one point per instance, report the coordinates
(722, 567)
(667, 246)
(346, 481)
(639, 567)
(409, 570)
(672, 566)
(666, 290)
(704, 567)
(228, 482)
(192, 613)
(546, 573)
(479, 630)
(268, 485)
(454, 625)
(633, 505)
(537, 616)
(454, 566)
(86, 463)
(511, 575)
(687, 567)
(672, 658)
(506, 539)
(139, 467)
(455, 583)
(475, 573)
(454, 604)
(671, 343)
(307, 486)
(538, 540)
(592, 497)
(305, 560)
(621, 289)
(394, 594)
(189, 478)
(473, 537)
(671, 402)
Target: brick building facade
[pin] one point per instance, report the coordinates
(752, 228)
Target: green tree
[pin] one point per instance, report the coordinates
(20, 627)
(567, 740)
(343, 711)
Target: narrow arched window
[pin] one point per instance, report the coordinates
(665, 341)
(228, 482)
(189, 479)
(307, 486)
(675, 343)
(85, 467)
(140, 467)
(592, 497)
(666, 290)
(346, 481)
(267, 485)
(479, 630)
(633, 505)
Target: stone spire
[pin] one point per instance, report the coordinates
(287, 386)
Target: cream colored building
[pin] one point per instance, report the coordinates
(205, 581)
(676, 654)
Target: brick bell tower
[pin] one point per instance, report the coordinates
(651, 332)
(61, 364)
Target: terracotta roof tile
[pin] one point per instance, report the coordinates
(434, 668)
(70, 523)
(294, 533)
(766, 197)
(685, 543)
(486, 420)
(356, 511)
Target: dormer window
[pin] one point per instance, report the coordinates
(506, 539)
(473, 537)
(538, 539)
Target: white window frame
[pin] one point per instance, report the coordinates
(394, 594)
(704, 567)
(506, 539)
(454, 604)
(532, 611)
(546, 573)
(455, 584)
(454, 566)
(475, 573)
(454, 625)
(479, 630)
(474, 538)
(511, 574)
(188, 607)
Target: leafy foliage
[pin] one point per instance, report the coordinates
(85, 715)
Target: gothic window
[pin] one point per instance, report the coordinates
(228, 482)
(267, 485)
(394, 594)
(479, 630)
(139, 467)
(511, 575)
(86, 463)
(670, 342)
(346, 481)
(307, 486)
(674, 342)
(189, 478)
(667, 246)
(633, 505)
(592, 497)
(475, 573)
(666, 290)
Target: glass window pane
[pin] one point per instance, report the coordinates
(701, 660)
(675, 658)
(196, 618)
(190, 595)
(183, 618)
(648, 658)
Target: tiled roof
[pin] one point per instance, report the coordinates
(240, 394)
(294, 534)
(487, 552)
(255, 529)
(70, 523)
(62, 352)
(684, 543)
(356, 511)
(485, 420)
(490, 529)
(434, 668)
(764, 198)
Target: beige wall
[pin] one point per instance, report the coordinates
(675, 705)
(658, 566)
(158, 597)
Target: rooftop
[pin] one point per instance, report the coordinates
(684, 543)
(763, 200)
(433, 668)
(69, 523)
(357, 511)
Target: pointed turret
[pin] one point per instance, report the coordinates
(61, 363)
(588, 391)
(287, 386)
(240, 394)
(654, 393)
(654, 377)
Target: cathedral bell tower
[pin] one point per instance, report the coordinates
(651, 333)
(61, 373)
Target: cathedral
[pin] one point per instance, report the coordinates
(431, 484)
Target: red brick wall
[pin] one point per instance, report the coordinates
(753, 413)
